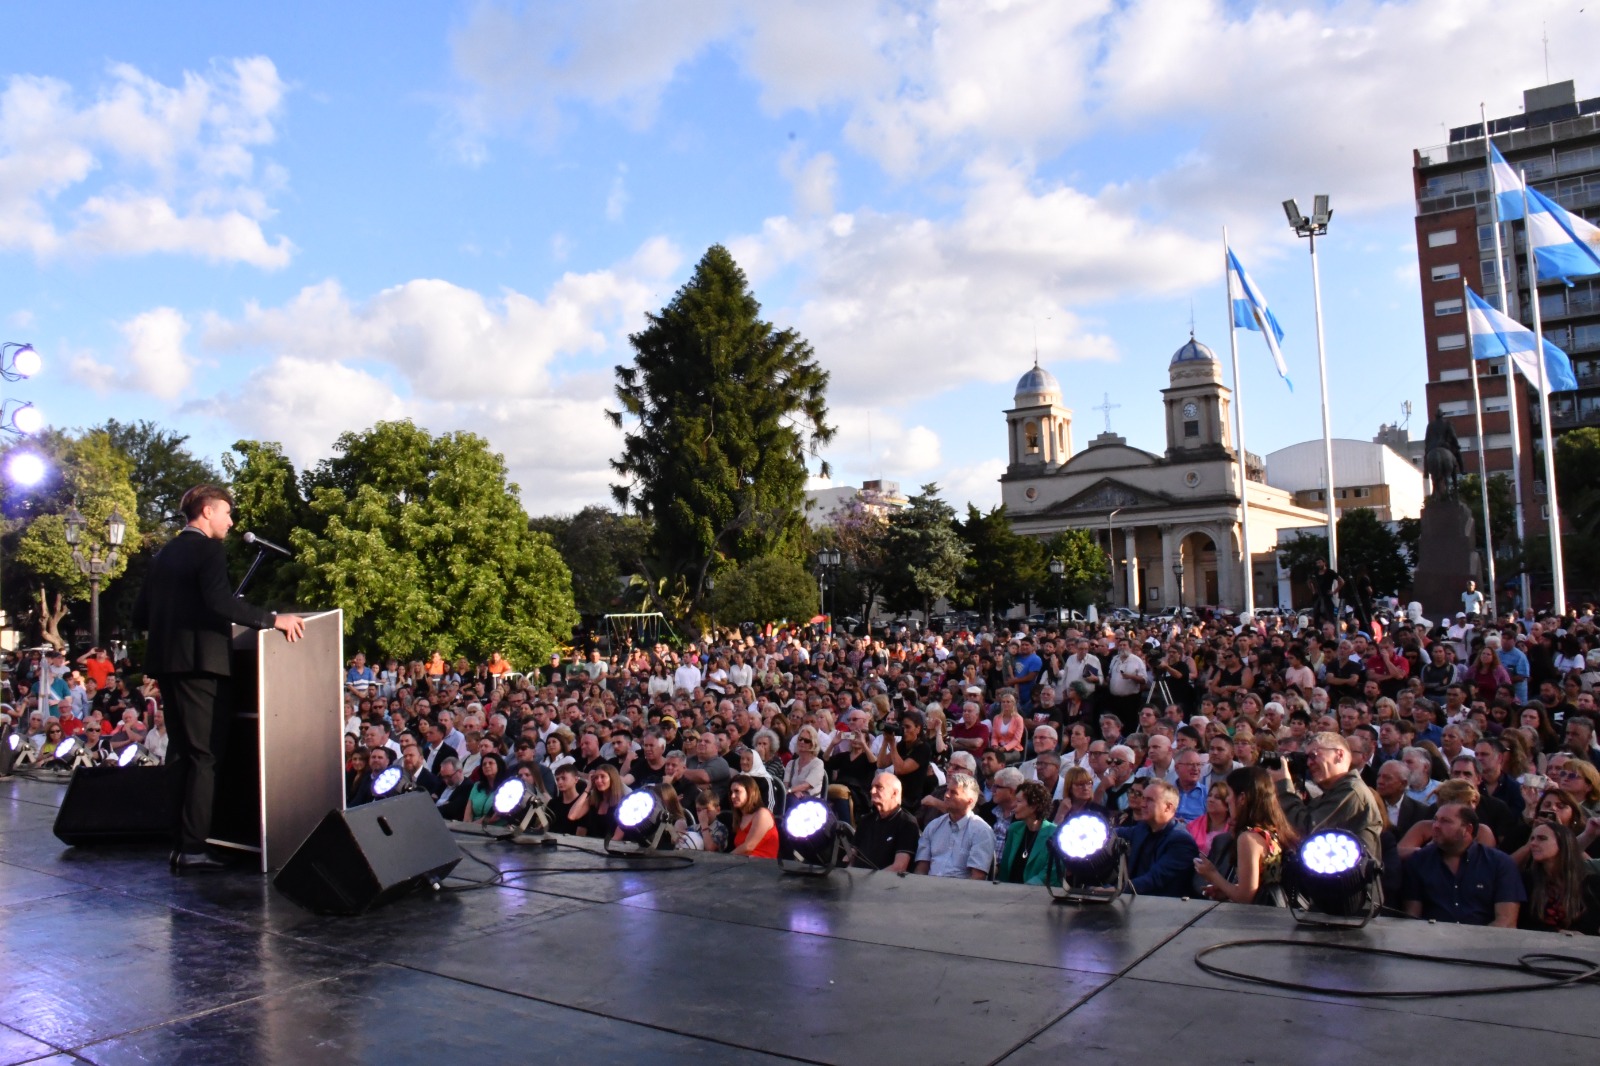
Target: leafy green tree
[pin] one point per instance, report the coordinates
(1578, 484)
(721, 412)
(1503, 509)
(861, 534)
(1003, 567)
(1084, 576)
(424, 544)
(773, 588)
(601, 548)
(163, 470)
(925, 553)
(1363, 542)
(267, 501)
(97, 477)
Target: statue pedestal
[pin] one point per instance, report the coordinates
(1447, 557)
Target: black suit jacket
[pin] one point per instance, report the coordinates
(189, 609)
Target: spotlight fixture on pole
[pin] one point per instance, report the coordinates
(1312, 228)
(520, 805)
(1331, 881)
(18, 361)
(644, 823)
(1057, 568)
(812, 840)
(1092, 860)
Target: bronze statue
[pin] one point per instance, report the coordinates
(1441, 456)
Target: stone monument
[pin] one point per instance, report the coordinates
(1447, 554)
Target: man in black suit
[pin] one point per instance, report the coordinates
(189, 611)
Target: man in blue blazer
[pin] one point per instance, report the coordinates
(1161, 852)
(189, 611)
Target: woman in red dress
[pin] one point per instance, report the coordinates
(755, 832)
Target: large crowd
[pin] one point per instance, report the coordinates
(1462, 754)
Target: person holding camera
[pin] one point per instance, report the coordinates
(1343, 800)
(909, 755)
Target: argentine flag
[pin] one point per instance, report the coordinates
(1495, 335)
(1507, 186)
(1564, 245)
(1250, 312)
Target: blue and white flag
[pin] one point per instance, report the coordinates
(1564, 245)
(1250, 312)
(1495, 335)
(1507, 186)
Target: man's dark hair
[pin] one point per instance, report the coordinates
(198, 498)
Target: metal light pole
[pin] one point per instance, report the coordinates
(1177, 572)
(1312, 228)
(1111, 554)
(1057, 568)
(94, 567)
(711, 603)
(827, 563)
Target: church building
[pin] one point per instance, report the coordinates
(1171, 522)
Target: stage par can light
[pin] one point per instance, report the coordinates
(643, 821)
(813, 836)
(1090, 857)
(389, 780)
(509, 798)
(10, 750)
(66, 750)
(1333, 875)
(129, 755)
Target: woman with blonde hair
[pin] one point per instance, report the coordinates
(805, 775)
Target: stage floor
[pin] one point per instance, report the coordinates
(108, 958)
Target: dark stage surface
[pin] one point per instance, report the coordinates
(108, 958)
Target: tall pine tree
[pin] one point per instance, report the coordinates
(720, 410)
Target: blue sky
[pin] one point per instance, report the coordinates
(287, 222)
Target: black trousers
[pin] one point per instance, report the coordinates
(197, 735)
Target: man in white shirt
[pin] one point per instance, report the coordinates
(1081, 665)
(957, 843)
(687, 676)
(1472, 600)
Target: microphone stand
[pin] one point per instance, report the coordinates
(261, 553)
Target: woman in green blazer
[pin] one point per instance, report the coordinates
(1026, 858)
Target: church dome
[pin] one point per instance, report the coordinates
(1037, 384)
(1193, 352)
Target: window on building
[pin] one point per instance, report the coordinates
(1445, 272)
(1449, 342)
(1191, 429)
(1440, 238)
(1451, 306)
(1454, 408)
(1361, 493)
(1454, 373)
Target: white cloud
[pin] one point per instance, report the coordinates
(453, 342)
(872, 442)
(900, 308)
(21, 319)
(815, 180)
(975, 483)
(518, 370)
(153, 359)
(617, 198)
(144, 167)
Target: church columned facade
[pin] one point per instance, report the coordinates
(1171, 522)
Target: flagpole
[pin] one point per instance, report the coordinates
(1238, 435)
(1483, 477)
(1505, 291)
(1558, 580)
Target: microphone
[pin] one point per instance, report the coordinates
(251, 538)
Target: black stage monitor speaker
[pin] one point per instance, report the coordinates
(365, 857)
(115, 805)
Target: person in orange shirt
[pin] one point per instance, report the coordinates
(98, 665)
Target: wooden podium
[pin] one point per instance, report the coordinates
(283, 770)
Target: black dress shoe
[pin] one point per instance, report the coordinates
(190, 862)
(172, 859)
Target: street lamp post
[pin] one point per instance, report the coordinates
(827, 564)
(1057, 568)
(1312, 228)
(711, 603)
(94, 567)
(1177, 572)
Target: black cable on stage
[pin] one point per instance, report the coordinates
(1552, 968)
(507, 877)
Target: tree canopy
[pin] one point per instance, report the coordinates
(1003, 567)
(424, 544)
(926, 556)
(772, 588)
(601, 548)
(1363, 542)
(720, 410)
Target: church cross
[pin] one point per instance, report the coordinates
(1107, 407)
